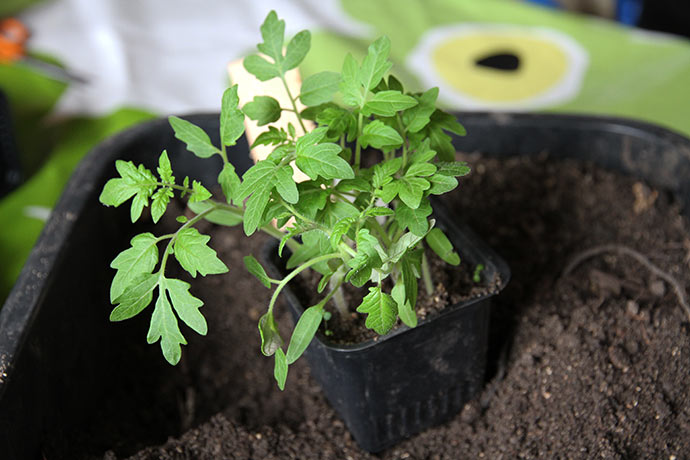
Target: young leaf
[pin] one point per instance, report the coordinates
(323, 160)
(193, 254)
(375, 64)
(405, 311)
(414, 219)
(285, 184)
(296, 50)
(136, 296)
(380, 136)
(453, 168)
(319, 88)
(164, 327)
(196, 138)
(186, 305)
(229, 182)
(409, 280)
(159, 203)
(254, 210)
(273, 33)
(388, 103)
(270, 337)
(164, 169)
(280, 368)
(409, 189)
(381, 310)
(231, 118)
(261, 68)
(350, 86)
(419, 116)
(135, 182)
(304, 332)
(257, 270)
(441, 245)
(339, 229)
(140, 258)
(273, 136)
(219, 216)
(263, 109)
(441, 184)
(379, 211)
(199, 193)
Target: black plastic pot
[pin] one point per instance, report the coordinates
(60, 357)
(392, 387)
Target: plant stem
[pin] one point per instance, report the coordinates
(426, 275)
(294, 105)
(335, 284)
(358, 147)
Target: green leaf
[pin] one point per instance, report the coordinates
(453, 168)
(231, 118)
(164, 327)
(339, 121)
(285, 184)
(273, 33)
(350, 86)
(263, 109)
(159, 203)
(380, 136)
(259, 177)
(398, 249)
(379, 211)
(186, 305)
(296, 50)
(193, 254)
(229, 182)
(414, 219)
(257, 270)
(441, 245)
(254, 210)
(135, 182)
(136, 296)
(280, 368)
(375, 64)
(319, 88)
(196, 138)
(270, 337)
(199, 193)
(273, 136)
(219, 216)
(140, 258)
(388, 103)
(261, 68)
(358, 183)
(339, 229)
(448, 122)
(405, 310)
(381, 310)
(441, 184)
(418, 116)
(367, 258)
(409, 280)
(164, 169)
(304, 332)
(323, 160)
(409, 189)
(420, 170)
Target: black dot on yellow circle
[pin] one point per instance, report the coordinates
(498, 60)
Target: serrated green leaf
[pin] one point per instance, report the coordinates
(254, 210)
(273, 34)
(164, 327)
(296, 50)
(273, 136)
(196, 138)
(441, 184)
(159, 203)
(380, 136)
(414, 219)
(411, 190)
(285, 184)
(368, 257)
(375, 64)
(261, 68)
(255, 268)
(164, 169)
(350, 86)
(263, 109)
(229, 182)
(420, 170)
(260, 177)
(409, 280)
(186, 305)
(388, 103)
(199, 193)
(379, 211)
(319, 88)
(453, 168)
(419, 116)
(340, 229)
(323, 160)
(304, 332)
(441, 245)
(194, 255)
(381, 310)
(339, 121)
(219, 216)
(405, 311)
(280, 368)
(140, 258)
(231, 118)
(358, 183)
(136, 296)
(137, 182)
(271, 341)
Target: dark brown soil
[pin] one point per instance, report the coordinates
(590, 365)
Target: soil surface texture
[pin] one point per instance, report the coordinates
(587, 361)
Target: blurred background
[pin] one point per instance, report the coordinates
(73, 72)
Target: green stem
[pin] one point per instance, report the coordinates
(189, 223)
(294, 105)
(295, 272)
(426, 275)
(337, 295)
(358, 147)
